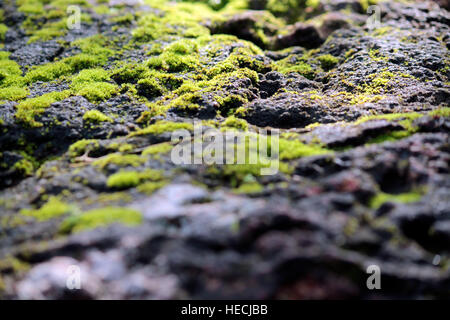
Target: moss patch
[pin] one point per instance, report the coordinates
(95, 116)
(382, 197)
(162, 127)
(101, 217)
(53, 208)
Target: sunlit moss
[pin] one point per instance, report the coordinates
(13, 93)
(291, 64)
(327, 61)
(96, 116)
(83, 146)
(123, 180)
(158, 149)
(98, 91)
(292, 149)
(29, 108)
(25, 166)
(248, 188)
(151, 187)
(233, 122)
(101, 217)
(162, 127)
(3, 30)
(119, 160)
(53, 208)
(382, 197)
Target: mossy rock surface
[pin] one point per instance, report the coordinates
(91, 116)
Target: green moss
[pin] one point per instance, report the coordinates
(25, 166)
(378, 32)
(98, 91)
(48, 19)
(51, 31)
(178, 19)
(151, 187)
(94, 53)
(53, 208)
(173, 62)
(129, 179)
(96, 116)
(108, 198)
(101, 217)
(10, 72)
(123, 180)
(90, 84)
(162, 127)
(29, 108)
(83, 146)
(122, 147)
(327, 61)
(3, 30)
(366, 3)
(13, 264)
(87, 76)
(291, 10)
(31, 7)
(157, 149)
(292, 65)
(392, 136)
(441, 112)
(129, 73)
(382, 197)
(249, 188)
(149, 88)
(233, 122)
(119, 160)
(48, 72)
(376, 56)
(292, 149)
(13, 93)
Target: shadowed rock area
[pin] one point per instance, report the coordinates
(88, 109)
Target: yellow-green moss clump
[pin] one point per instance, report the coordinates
(249, 188)
(129, 179)
(101, 217)
(96, 116)
(292, 64)
(382, 197)
(124, 180)
(29, 108)
(179, 56)
(158, 149)
(292, 149)
(151, 186)
(126, 160)
(11, 80)
(53, 208)
(236, 123)
(83, 146)
(3, 30)
(162, 127)
(25, 166)
(48, 19)
(91, 84)
(327, 61)
(13, 93)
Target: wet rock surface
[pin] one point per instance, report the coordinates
(88, 178)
